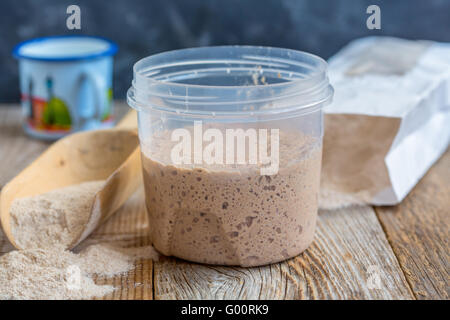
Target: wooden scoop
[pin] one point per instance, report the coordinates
(112, 155)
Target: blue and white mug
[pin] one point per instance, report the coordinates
(66, 84)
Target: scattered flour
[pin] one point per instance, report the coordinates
(107, 260)
(45, 226)
(58, 274)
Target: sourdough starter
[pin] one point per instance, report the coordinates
(233, 215)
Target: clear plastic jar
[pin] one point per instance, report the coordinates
(231, 141)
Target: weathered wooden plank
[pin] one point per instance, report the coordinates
(17, 149)
(418, 231)
(350, 253)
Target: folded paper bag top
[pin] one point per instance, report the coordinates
(389, 121)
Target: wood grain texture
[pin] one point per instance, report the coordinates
(349, 253)
(418, 231)
(17, 149)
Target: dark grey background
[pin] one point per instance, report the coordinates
(145, 27)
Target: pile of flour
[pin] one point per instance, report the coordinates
(56, 273)
(54, 218)
(44, 226)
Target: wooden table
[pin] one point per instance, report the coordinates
(397, 252)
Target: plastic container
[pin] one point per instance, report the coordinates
(65, 84)
(258, 205)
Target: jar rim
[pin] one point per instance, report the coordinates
(172, 81)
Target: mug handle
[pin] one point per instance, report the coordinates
(99, 86)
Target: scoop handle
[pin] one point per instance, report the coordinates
(119, 186)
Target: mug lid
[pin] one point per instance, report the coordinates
(65, 48)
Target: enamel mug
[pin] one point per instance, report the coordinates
(65, 84)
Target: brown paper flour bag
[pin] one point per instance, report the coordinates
(389, 121)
